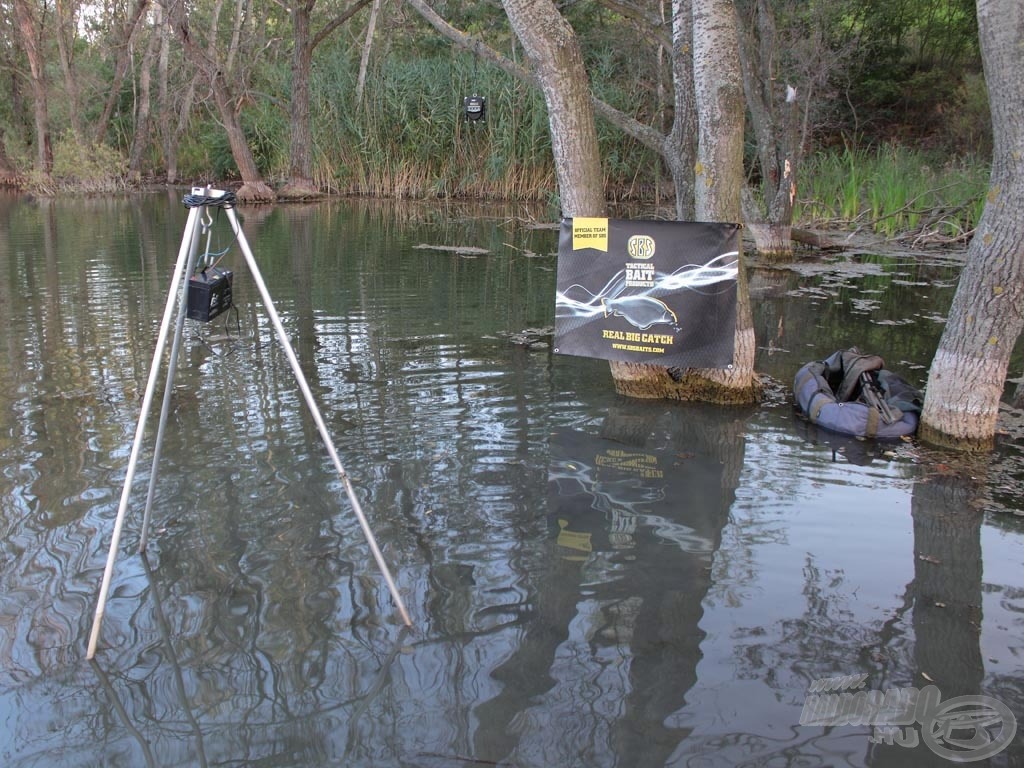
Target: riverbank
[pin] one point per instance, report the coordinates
(915, 197)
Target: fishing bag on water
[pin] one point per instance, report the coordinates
(852, 393)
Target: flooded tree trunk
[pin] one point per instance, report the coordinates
(774, 113)
(254, 189)
(554, 53)
(300, 169)
(300, 166)
(772, 240)
(719, 179)
(968, 372)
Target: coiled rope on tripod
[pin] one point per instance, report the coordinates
(226, 200)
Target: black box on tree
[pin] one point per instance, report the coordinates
(209, 294)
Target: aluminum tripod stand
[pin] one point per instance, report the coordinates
(178, 296)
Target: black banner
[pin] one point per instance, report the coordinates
(660, 292)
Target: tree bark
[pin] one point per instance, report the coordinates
(30, 35)
(140, 139)
(680, 151)
(254, 189)
(720, 106)
(300, 166)
(300, 184)
(967, 374)
(719, 171)
(775, 126)
(123, 48)
(719, 181)
(553, 50)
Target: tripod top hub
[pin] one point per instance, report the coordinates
(207, 197)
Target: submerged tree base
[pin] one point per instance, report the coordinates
(773, 242)
(299, 190)
(932, 436)
(256, 192)
(654, 382)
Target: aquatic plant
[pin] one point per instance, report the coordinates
(893, 191)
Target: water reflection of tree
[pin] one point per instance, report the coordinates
(271, 620)
(65, 382)
(945, 599)
(610, 645)
(932, 635)
(853, 300)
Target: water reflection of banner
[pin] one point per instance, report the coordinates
(604, 494)
(661, 292)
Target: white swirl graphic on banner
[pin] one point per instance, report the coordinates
(643, 309)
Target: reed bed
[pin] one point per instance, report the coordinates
(892, 191)
(412, 139)
(408, 138)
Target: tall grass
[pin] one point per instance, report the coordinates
(79, 167)
(408, 138)
(892, 190)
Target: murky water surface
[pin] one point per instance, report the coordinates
(592, 581)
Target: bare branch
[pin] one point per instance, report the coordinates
(472, 44)
(338, 20)
(650, 23)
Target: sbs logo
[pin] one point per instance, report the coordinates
(640, 247)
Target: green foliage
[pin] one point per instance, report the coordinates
(891, 190)
(909, 60)
(910, 69)
(217, 151)
(850, 187)
(268, 134)
(409, 137)
(194, 156)
(82, 167)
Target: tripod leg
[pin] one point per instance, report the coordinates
(140, 429)
(172, 367)
(275, 320)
